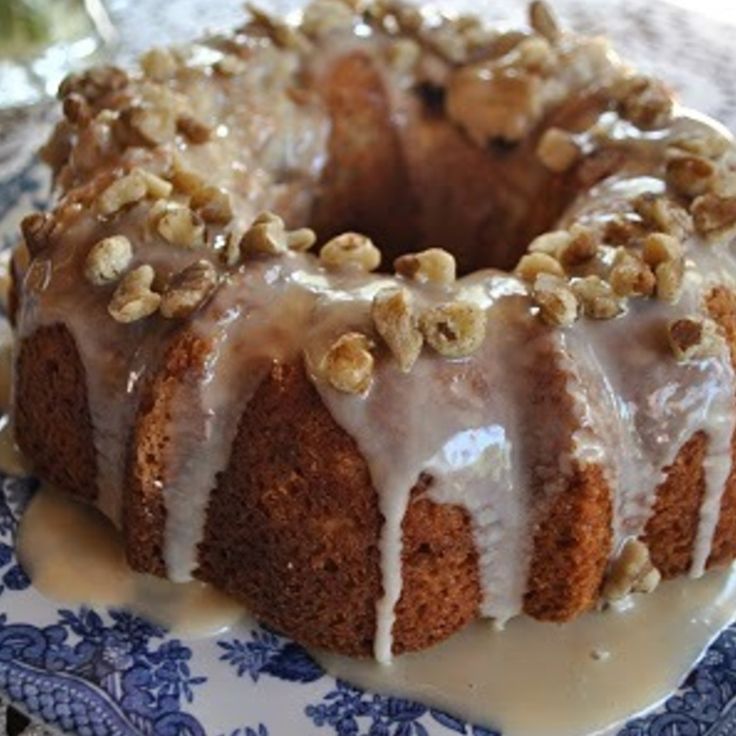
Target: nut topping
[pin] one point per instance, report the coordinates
(301, 239)
(581, 246)
(348, 364)
(659, 248)
(159, 64)
(180, 226)
(693, 338)
(558, 151)
(643, 101)
(230, 66)
(558, 305)
(631, 572)
(36, 229)
(395, 322)
(454, 329)
(108, 259)
(188, 289)
(597, 298)
(212, 204)
(550, 243)
(532, 264)
(433, 266)
(714, 216)
(126, 190)
(630, 276)
(266, 236)
(690, 176)
(670, 276)
(152, 124)
(195, 131)
(350, 250)
(133, 298)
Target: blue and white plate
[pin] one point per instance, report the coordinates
(100, 672)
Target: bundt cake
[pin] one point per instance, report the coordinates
(375, 445)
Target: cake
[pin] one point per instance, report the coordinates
(502, 380)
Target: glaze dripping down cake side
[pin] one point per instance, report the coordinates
(372, 455)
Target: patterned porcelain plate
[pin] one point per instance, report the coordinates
(95, 673)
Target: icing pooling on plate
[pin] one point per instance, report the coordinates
(467, 424)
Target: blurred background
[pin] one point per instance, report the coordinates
(687, 42)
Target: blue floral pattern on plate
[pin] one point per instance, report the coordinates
(100, 673)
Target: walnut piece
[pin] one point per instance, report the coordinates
(431, 266)
(454, 329)
(690, 176)
(188, 289)
(660, 247)
(348, 364)
(181, 226)
(150, 125)
(128, 189)
(133, 298)
(643, 101)
(394, 319)
(350, 250)
(693, 338)
(532, 264)
(108, 259)
(230, 66)
(661, 213)
(558, 151)
(670, 276)
(558, 305)
(159, 64)
(301, 239)
(550, 243)
(212, 204)
(714, 216)
(581, 246)
(631, 572)
(630, 275)
(597, 298)
(266, 236)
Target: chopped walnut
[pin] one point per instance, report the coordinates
(195, 131)
(76, 109)
(325, 16)
(230, 66)
(212, 204)
(266, 236)
(535, 55)
(133, 298)
(454, 329)
(543, 21)
(152, 125)
(693, 338)
(630, 275)
(660, 247)
(690, 176)
(185, 180)
(558, 151)
(661, 213)
(643, 101)
(180, 226)
(348, 364)
(282, 34)
(581, 246)
(714, 216)
(108, 259)
(623, 229)
(550, 243)
(94, 83)
(188, 289)
(431, 266)
(670, 276)
(558, 305)
(597, 298)
(159, 64)
(230, 253)
(393, 316)
(532, 264)
(631, 572)
(128, 189)
(350, 250)
(156, 186)
(301, 239)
